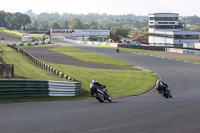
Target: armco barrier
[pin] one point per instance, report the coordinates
(58, 88)
(28, 88)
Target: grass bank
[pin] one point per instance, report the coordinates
(24, 67)
(18, 34)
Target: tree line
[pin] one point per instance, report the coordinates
(120, 25)
(14, 21)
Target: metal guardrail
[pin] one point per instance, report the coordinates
(58, 88)
(28, 88)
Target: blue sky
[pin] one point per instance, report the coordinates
(115, 7)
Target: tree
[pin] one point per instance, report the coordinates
(2, 19)
(55, 26)
(120, 32)
(142, 31)
(76, 23)
(26, 20)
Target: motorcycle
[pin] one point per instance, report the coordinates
(101, 95)
(117, 50)
(164, 90)
(166, 93)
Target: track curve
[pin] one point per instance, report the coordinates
(148, 113)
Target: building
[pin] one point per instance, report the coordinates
(165, 29)
(140, 38)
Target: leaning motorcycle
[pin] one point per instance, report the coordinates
(165, 91)
(101, 95)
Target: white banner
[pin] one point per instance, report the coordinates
(80, 32)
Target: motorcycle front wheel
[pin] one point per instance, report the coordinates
(109, 98)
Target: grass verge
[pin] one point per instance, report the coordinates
(24, 67)
(120, 83)
(91, 57)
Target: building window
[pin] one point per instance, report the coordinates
(161, 35)
(164, 26)
(186, 37)
(162, 22)
(164, 18)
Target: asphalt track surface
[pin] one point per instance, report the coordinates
(147, 113)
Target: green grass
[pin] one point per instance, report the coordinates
(12, 33)
(18, 34)
(37, 36)
(24, 67)
(120, 83)
(91, 57)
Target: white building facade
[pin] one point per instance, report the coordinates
(165, 29)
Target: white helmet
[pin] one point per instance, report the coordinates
(93, 81)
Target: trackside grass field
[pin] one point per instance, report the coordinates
(18, 34)
(25, 68)
(91, 57)
(120, 83)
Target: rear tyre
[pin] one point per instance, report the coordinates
(100, 97)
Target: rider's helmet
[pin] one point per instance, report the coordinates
(93, 81)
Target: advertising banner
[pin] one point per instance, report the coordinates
(80, 32)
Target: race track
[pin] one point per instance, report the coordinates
(147, 113)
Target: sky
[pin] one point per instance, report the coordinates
(114, 7)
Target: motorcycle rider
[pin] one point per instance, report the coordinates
(117, 49)
(95, 85)
(162, 86)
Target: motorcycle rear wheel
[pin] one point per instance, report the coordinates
(100, 97)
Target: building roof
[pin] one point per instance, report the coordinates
(162, 13)
(137, 36)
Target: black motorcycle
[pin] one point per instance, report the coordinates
(101, 95)
(117, 50)
(163, 90)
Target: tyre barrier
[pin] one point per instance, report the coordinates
(33, 88)
(29, 44)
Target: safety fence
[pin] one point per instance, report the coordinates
(32, 88)
(157, 48)
(90, 42)
(42, 64)
(183, 51)
(9, 42)
(29, 44)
